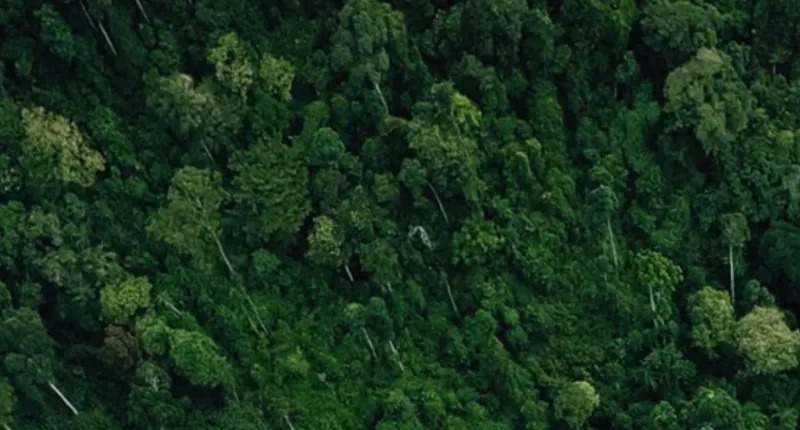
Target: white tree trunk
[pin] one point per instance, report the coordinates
(288, 422)
(63, 398)
(380, 95)
(452, 300)
(369, 342)
(88, 17)
(438, 202)
(222, 252)
(108, 39)
(653, 305)
(141, 9)
(613, 245)
(733, 281)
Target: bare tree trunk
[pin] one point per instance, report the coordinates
(288, 422)
(207, 151)
(452, 300)
(380, 94)
(255, 311)
(653, 304)
(397, 356)
(613, 244)
(108, 39)
(439, 202)
(6, 427)
(141, 9)
(63, 398)
(88, 17)
(349, 273)
(222, 252)
(733, 282)
(369, 342)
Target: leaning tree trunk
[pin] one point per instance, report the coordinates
(63, 398)
(733, 281)
(613, 244)
(653, 305)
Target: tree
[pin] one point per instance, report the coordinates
(8, 401)
(197, 357)
(713, 408)
(705, 94)
(734, 233)
(120, 302)
(767, 342)
(270, 189)
(712, 317)
(575, 403)
(191, 215)
(492, 30)
(325, 148)
(120, 349)
(369, 38)
(231, 64)
(56, 32)
(661, 276)
(277, 76)
(54, 148)
(606, 202)
(680, 26)
(325, 243)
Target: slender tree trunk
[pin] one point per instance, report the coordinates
(141, 9)
(613, 244)
(207, 151)
(108, 39)
(222, 252)
(380, 95)
(172, 307)
(653, 305)
(439, 202)
(6, 427)
(733, 281)
(349, 273)
(369, 342)
(255, 310)
(397, 356)
(452, 300)
(88, 17)
(288, 422)
(63, 398)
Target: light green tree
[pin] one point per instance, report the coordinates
(325, 243)
(120, 302)
(575, 403)
(231, 64)
(712, 317)
(54, 148)
(767, 342)
(277, 76)
(197, 357)
(270, 188)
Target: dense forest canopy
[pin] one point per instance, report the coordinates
(399, 214)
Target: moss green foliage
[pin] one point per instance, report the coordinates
(399, 214)
(575, 403)
(767, 341)
(712, 317)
